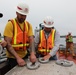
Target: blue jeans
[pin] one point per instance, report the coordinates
(53, 58)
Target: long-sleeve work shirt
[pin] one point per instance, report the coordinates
(56, 42)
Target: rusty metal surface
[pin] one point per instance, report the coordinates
(50, 68)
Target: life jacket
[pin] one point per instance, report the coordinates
(70, 39)
(20, 39)
(46, 45)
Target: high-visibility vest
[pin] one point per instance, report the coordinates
(20, 37)
(46, 45)
(70, 39)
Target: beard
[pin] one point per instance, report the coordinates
(21, 20)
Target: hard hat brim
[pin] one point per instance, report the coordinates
(48, 26)
(21, 12)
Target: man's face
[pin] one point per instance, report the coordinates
(21, 18)
(47, 29)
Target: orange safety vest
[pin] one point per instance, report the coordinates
(46, 45)
(20, 37)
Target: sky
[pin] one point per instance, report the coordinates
(62, 11)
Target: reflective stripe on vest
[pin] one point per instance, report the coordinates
(20, 45)
(44, 50)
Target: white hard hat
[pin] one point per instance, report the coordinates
(22, 8)
(48, 22)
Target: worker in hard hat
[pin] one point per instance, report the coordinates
(19, 36)
(47, 40)
(69, 45)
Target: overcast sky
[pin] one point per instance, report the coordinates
(62, 11)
